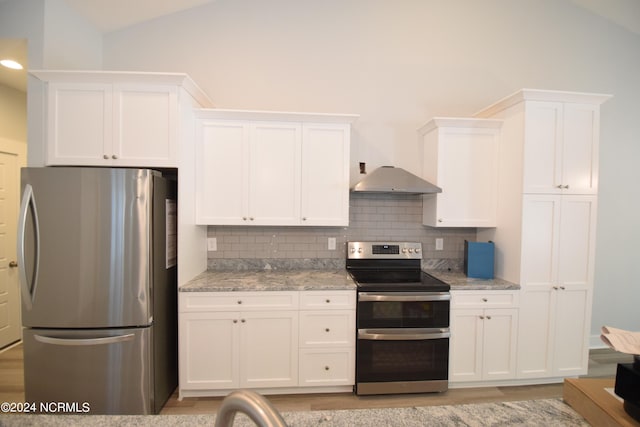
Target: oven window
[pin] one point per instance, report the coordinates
(403, 314)
(385, 361)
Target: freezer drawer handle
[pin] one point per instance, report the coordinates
(28, 289)
(84, 341)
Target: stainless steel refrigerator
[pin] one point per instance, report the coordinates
(97, 259)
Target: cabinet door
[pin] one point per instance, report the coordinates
(535, 331)
(325, 174)
(572, 325)
(79, 124)
(222, 172)
(145, 125)
(467, 171)
(581, 127)
(466, 345)
(499, 344)
(274, 173)
(269, 349)
(209, 351)
(540, 239)
(542, 148)
(576, 250)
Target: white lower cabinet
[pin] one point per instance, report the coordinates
(253, 347)
(483, 336)
(267, 341)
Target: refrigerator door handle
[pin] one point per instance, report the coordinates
(28, 289)
(84, 341)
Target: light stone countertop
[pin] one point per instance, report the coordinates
(460, 282)
(281, 280)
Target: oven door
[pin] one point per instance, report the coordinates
(385, 310)
(402, 361)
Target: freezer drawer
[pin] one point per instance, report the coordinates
(108, 369)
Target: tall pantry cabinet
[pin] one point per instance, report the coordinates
(545, 234)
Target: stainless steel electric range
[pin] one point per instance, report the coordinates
(402, 320)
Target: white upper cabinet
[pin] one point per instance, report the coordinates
(114, 118)
(560, 131)
(561, 148)
(260, 168)
(461, 156)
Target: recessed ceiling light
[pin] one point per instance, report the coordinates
(10, 63)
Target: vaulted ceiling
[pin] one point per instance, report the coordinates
(113, 15)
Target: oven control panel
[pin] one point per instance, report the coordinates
(387, 250)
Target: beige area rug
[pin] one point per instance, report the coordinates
(534, 413)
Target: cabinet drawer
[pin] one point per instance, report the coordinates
(327, 328)
(327, 300)
(326, 367)
(484, 299)
(237, 301)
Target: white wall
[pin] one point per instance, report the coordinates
(69, 41)
(399, 63)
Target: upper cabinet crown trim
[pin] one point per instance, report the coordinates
(128, 77)
(223, 114)
(542, 95)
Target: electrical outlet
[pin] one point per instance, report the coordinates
(439, 244)
(332, 244)
(212, 244)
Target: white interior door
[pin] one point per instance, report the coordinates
(11, 159)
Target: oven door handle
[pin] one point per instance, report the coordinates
(402, 335)
(403, 296)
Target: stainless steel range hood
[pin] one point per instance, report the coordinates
(389, 179)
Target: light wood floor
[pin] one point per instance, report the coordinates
(602, 363)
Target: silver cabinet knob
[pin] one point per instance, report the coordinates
(13, 264)
(326, 330)
(488, 317)
(440, 220)
(243, 320)
(105, 157)
(239, 301)
(328, 301)
(326, 368)
(484, 300)
(235, 320)
(481, 317)
(114, 157)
